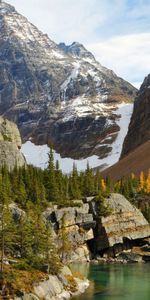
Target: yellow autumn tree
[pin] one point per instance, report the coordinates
(132, 176)
(147, 188)
(103, 185)
(141, 182)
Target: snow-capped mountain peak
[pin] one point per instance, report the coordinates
(6, 8)
(57, 93)
(77, 50)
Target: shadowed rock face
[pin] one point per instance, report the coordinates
(79, 225)
(10, 144)
(139, 128)
(90, 234)
(125, 224)
(47, 88)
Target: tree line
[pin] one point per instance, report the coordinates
(30, 238)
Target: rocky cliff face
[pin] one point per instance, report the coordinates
(10, 144)
(79, 224)
(139, 129)
(57, 93)
(122, 229)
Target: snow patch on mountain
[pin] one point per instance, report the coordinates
(38, 155)
(85, 106)
(124, 113)
(72, 76)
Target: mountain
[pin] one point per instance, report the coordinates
(139, 128)
(134, 162)
(59, 94)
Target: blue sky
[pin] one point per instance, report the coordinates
(116, 31)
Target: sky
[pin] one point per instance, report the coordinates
(117, 32)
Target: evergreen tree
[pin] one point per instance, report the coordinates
(88, 182)
(74, 189)
(7, 232)
(51, 184)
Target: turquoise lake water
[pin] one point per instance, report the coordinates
(116, 282)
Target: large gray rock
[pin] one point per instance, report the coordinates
(10, 144)
(56, 288)
(10, 155)
(78, 224)
(17, 212)
(80, 254)
(9, 132)
(125, 224)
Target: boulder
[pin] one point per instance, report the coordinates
(9, 132)
(10, 144)
(69, 215)
(124, 225)
(10, 155)
(130, 257)
(17, 213)
(80, 254)
(50, 288)
(27, 297)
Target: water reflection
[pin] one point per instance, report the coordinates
(116, 282)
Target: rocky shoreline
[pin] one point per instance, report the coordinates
(134, 255)
(63, 286)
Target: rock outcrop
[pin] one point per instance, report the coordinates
(59, 287)
(122, 228)
(90, 234)
(79, 226)
(57, 93)
(64, 286)
(139, 128)
(10, 144)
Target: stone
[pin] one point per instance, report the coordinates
(146, 257)
(50, 287)
(83, 209)
(88, 199)
(27, 297)
(89, 235)
(124, 225)
(10, 144)
(68, 213)
(11, 155)
(17, 212)
(9, 132)
(130, 257)
(56, 288)
(81, 254)
(66, 271)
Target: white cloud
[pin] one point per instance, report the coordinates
(64, 20)
(128, 55)
(72, 20)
